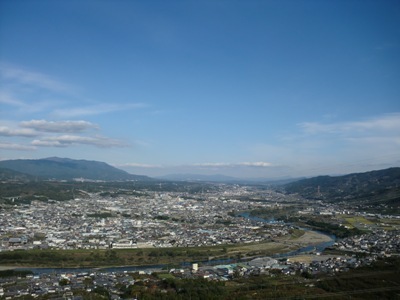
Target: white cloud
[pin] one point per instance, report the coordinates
(17, 147)
(59, 126)
(6, 131)
(256, 164)
(49, 143)
(67, 140)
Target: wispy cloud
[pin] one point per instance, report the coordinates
(10, 132)
(384, 123)
(17, 147)
(31, 78)
(46, 134)
(34, 92)
(27, 107)
(377, 140)
(139, 165)
(25, 92)
(373, 137)
(8, 99)
(59, 126)
(95, 109)
(37, 127)
(259, 164)
(29, 92)
(334, 146)
(68, 140)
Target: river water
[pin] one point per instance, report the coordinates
(317, 248)
(152, 268)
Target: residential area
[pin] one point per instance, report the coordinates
(162, 220)
(172, 219)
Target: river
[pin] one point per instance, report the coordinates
(318, 247)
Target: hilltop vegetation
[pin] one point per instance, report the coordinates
(68, 169)
(28, 179)
(11, 175)
(26, 191)
(381, 186)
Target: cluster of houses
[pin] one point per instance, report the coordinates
(382, 242)
(155, 220)
(164, 220)
(67, 285)
(63, 285)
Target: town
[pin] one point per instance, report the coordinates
(156, 220)
(144, 219)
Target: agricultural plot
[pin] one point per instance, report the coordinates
(359, 222)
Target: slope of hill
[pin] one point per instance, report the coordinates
(11, 175)
(67, 169)
(374, 186)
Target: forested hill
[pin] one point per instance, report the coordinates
(67, 169)
(374, 186)
(11, 175)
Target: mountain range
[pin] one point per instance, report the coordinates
(226, 179)
(373, 186)
(55, 168)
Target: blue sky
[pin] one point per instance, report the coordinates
(242, 88)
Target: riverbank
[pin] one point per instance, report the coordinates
(159, 256)
(5, 268)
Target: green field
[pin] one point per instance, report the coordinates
(390, 224)
(357, 221)
(361, 222)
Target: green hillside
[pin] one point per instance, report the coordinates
(375, 186)
(67, 169)
(11, 175)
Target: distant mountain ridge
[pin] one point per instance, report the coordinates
(225, 179)
(68, 169)
(198, 177)
(373, 186)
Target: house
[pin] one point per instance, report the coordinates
(14, 241)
